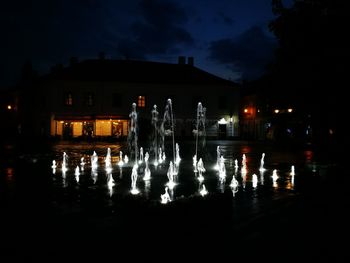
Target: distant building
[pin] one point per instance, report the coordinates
(93, 98)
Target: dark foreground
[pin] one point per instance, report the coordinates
(310, 225)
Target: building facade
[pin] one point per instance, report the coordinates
(93, 98)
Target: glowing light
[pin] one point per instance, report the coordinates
(134, 176)
(203, 191)
(231, 119)
(165, 198)
(53, 166)
(274, 178)
(290, 110)
(222, 121)
(276, 111)
(9, 107)
(255, 180)
(292, 170)
(245, 110)
(234, 184)
(77, 173)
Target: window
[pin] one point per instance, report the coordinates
(68, 99)
(89, 99)
(141, 101)
(117, 100)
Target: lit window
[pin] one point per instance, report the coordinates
(68, 100)
(141, 101)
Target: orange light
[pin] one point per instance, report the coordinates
(9, 107)
(245, 110)
(277, 110)
(290, 110)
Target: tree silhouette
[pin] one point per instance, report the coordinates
(313, 53)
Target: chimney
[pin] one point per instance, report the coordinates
(190, 61)
(182, 60)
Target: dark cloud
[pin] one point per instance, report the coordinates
(249, 53)
(50, 32)
(160, 29)
(226, 19)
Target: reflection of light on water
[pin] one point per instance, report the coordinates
(308, 155)
(94, 175)
(147, 175)
(147, 187)
(9, 173)
(255, 180)
(262, 177)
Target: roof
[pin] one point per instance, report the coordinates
(136, 72)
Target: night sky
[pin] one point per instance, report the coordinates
(229, 38)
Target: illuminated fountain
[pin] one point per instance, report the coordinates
(165, 198)
(133, 132)
(134, 176)
(147, 175)
(177, 158)
(218, 156)
(236, 164)
(141, 155)
(199, 132)
(154, 122)
(262, 161)
(222, 169)
(171, 176)
(64, 162)
(203, 190)
(254, 180)
(120, 163)
(94, 161)
(82, 163)
(200, 169)
(167, 127)
(110, 183)
(292, 174)
(53, 166)
(108, 161)
(234, 185)
(274, 178)
(77, 173)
